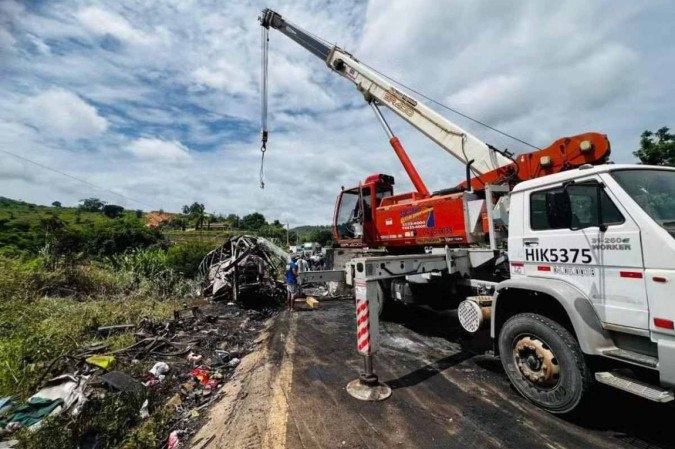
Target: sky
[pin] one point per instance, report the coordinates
(157, 104)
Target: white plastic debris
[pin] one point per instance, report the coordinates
(145, 413)
(234, 362)
(159, 369)
(193, 358)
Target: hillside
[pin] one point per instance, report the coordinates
(24, 228)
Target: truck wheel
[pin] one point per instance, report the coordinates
(544, 362)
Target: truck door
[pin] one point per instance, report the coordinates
(348, 218)
(580, 234)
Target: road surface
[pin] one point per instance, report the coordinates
(446, 394)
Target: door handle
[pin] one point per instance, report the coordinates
(531, 242)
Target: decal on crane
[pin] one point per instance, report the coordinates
(417, 217)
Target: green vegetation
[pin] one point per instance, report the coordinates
(64, 272)
(25, 229)
(657, 148)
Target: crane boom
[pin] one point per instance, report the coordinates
(376, 89)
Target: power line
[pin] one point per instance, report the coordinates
(84, 181)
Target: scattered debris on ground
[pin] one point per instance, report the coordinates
(174, 369)
(154, 388)
(244, 268)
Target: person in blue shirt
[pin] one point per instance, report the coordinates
(292, 282)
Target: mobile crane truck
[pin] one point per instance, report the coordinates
(569, 260)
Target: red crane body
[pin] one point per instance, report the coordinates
(420, 218)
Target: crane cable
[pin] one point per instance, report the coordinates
(265, 39)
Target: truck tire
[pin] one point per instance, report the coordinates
(544, 362)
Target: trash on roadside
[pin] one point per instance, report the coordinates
(6, 404)
(120, 381)
(67, 387)
(224, 356)
(144, 412)
(102, 361)
(34, 411)
(173, 442)
(193, 358)
(312, 302)
(159, 370)
(234, 362)
(201, 374)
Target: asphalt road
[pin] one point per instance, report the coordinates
(446, 394)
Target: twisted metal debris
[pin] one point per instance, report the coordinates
(243, 264)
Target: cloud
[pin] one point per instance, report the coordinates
(62, 114)
(158, 149)
(105, 22)
(130, 94)
(12, 169)
(7, 41)
(225, 76)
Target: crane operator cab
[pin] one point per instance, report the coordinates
(355, 210)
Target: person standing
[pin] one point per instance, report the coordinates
(303, 265)
(292, 282)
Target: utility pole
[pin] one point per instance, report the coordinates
(288, 230)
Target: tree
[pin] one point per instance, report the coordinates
(321, 235)
(211, 218)
(56, 204)
(52, 224)
(253, 221)
(92, 204)
(139, 213)
(234, 220)
(657, 148)
(112, 210)
(179, 222)
(195, 212)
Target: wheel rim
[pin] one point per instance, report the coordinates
(536, 361)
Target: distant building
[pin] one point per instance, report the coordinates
(218, 226)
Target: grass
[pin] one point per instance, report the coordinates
(32, 333)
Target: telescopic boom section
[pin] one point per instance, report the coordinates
(375, 88)
(489, 165)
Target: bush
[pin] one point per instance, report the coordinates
(185, 257)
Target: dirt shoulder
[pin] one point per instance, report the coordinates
(253, 411)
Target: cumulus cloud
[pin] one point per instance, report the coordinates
(62, 114)
(159, 150)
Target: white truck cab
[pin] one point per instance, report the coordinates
(592, 277)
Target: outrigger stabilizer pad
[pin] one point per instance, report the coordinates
(368, 388)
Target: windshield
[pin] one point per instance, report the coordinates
(654, 191)
(348, 213)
